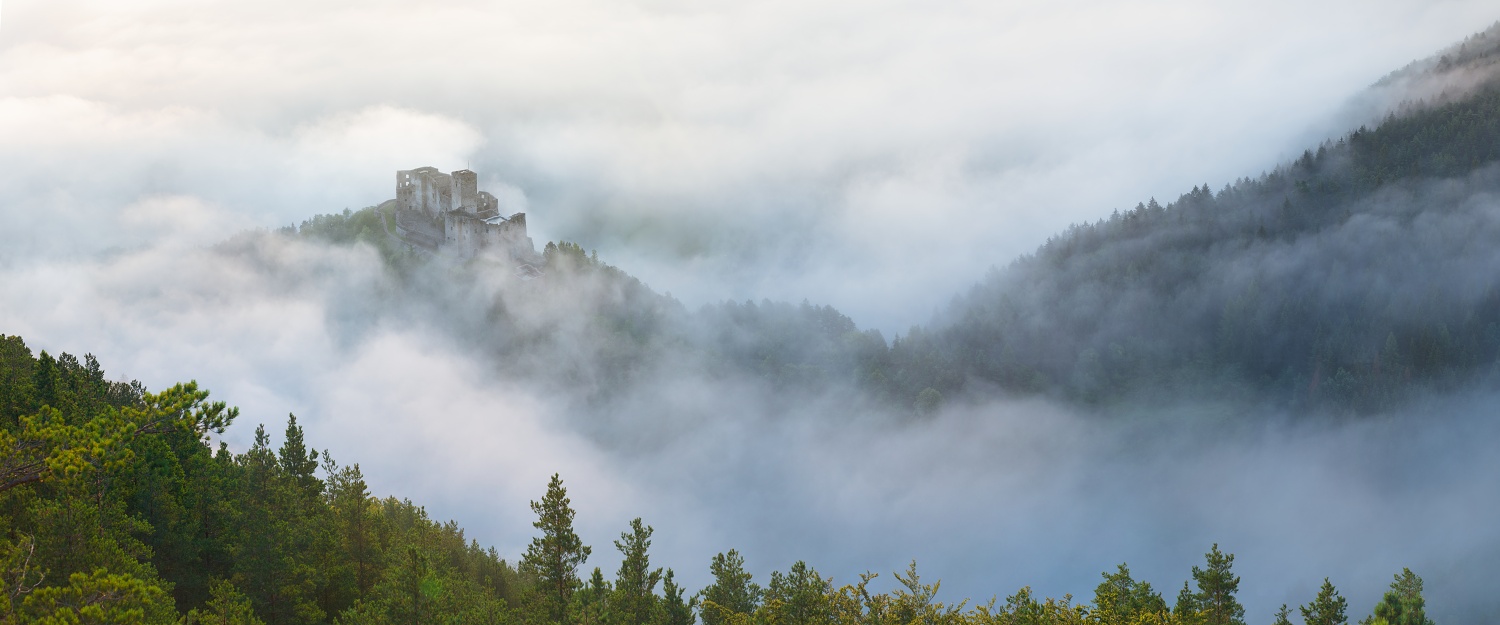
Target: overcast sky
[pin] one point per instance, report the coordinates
(876, 155)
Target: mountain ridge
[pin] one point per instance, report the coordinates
(1267, 287)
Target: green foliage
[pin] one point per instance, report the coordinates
(732, 593)
(117, 510)
(1328, 608)
(675, 608)
(798, 597)
(226, 606)
(634, 601)
(373, 226)
(132, 518)
(1121, 599)
(1402, 604)
(563, 256)
(553, 558)
(592, 600)
(1189, 607)
(1023, 608)
(1217, 586)
(1283, 616)
(98, 598)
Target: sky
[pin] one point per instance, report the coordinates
(876, 156)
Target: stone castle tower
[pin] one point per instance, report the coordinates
(448, 212)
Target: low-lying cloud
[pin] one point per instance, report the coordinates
(876, 157)
(988, 496)
(780, 149)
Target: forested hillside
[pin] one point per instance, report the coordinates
(1352, 279)
(1349, 280)
(116, 509)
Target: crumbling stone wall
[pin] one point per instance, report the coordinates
(425, 190)
(436, 207)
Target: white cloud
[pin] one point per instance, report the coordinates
(689, 141)
(877, 156)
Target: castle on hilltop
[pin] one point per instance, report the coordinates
(448, 213)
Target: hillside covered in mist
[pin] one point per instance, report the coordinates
(1056, 419)
(118, 511)
(1351, 279)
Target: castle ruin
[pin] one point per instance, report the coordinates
(448, 213)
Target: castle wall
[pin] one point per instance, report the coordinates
(465, 191)
(425, 190)
(488, 205)
(448, 211)
(415, 228)
(501, 237)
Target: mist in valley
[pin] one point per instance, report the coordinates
(746, 155)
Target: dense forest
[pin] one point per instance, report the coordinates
(116, 509)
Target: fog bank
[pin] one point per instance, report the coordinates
(988, 496)
(876, 157)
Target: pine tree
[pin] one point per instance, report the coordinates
(349, 500)
(798, 596)
(732, 592)
(554, 557)
(1327, 609)
(297, 462)
(412, 589)
(281, 532)
(675, 609)
(226, 606)
(1216, 588)
(1188, 610)
(634, 601)
(593, 600)
(1121, 599)
(1283, 616)
(343, 526)
(1403, 603)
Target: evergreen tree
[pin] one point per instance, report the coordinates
(676, 610)
(1327, 608)
(275, 564)
(119, 464)
(1216, 589)
(341, 540)
(634, 600)
(298, 463)
(413, 589)
(1121, 599)
(99, 598)
(349, 500)
(732, 592)
(915, 602)
(554, 557)
(226, 606)
(593, 600)
(799, 596)
(1189, 608)
(1403, 603)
